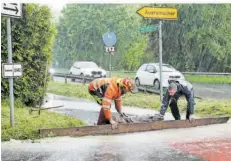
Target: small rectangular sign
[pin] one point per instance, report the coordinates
(11, 9)
(11, 70)
(149, 28)
(110, 49)
(158, 13)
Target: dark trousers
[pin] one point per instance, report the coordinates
(175, 110)
(101, 119)
(98, 97)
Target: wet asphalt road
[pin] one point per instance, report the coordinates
(191, 144)
(145, 146)
(214, 91)
(202, 90)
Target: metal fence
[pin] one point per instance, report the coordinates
(188, 73)
(207, 73)
(84, 79)
(73, 77)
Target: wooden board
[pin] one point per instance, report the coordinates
(132, 127)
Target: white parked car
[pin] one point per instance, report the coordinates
(87, 68)
(148, 74)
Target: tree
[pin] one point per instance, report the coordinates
(199, 40)
(80, 31)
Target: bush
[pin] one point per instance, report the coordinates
(32, 43)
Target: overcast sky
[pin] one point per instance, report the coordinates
(55, 6)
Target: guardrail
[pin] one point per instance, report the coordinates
(207, 73)
(87, 78)
(73, 77)
(188, 73)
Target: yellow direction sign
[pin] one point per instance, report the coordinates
(158, 13)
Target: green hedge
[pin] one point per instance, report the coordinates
(32, 43)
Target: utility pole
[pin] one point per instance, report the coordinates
(160, 59)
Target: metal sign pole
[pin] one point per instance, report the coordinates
(109, 40)
(10, 79)
(162, 14)
(110, 65)
(160, 57)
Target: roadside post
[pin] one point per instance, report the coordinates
(109, 39)
(11, 70)
(161, 14)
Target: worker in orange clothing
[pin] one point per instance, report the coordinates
(105, 90)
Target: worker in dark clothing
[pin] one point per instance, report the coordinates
(175, 90)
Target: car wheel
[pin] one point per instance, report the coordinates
(82, 80)
(137, 81)
(72, 79)
(156, 84)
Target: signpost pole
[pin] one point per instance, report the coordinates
(160, 59)
(110, 65)
(11, 10)
(162, 14)
(109, 40)
(110, 58)
(10, 79)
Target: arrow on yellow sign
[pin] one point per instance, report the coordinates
(158, 13)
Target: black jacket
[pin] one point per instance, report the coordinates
(183, 88)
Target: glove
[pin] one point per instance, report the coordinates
(123, 114)
(191, 117)
(159, 116)
(113, 123)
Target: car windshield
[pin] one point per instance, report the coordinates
(166, 68)
(88, 65)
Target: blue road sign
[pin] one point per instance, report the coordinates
(109, 39)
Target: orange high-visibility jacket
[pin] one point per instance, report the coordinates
(111, 90)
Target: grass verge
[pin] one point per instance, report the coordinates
(203, 107)
(208, 79)
(27, 126)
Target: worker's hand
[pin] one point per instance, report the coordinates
(191, 118)
(159, 116)
(122, 114)
(114, 124)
